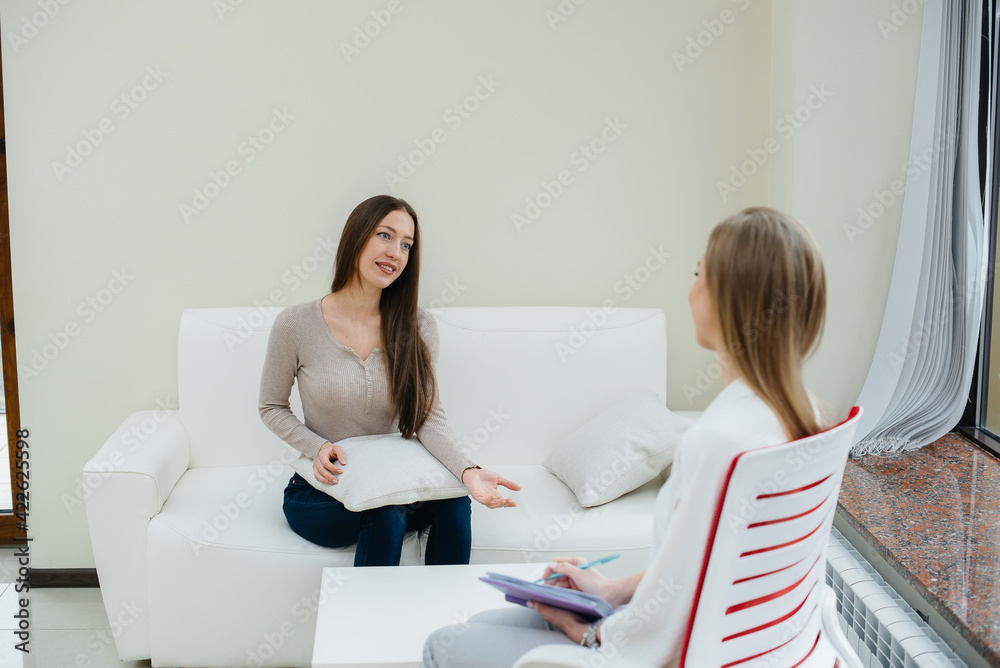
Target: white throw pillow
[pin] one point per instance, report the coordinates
(619, 450)
(385, 470)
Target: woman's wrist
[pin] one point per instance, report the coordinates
(590, 636)
(619, 593)
(623, 589)
(474, 466)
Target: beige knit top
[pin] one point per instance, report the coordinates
(342, 394)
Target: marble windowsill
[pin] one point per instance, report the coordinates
(934, 515)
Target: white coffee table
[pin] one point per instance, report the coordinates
(380, 617)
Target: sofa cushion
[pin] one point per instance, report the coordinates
(549, 521)
(516, 380)
(240, 508)
(618, 449)
(366, 482)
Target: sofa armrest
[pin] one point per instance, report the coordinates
(126, 484)
(151, 445)
(570, 656)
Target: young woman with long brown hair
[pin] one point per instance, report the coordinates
(363, 356)
(758, 301)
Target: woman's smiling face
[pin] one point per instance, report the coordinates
(385, 255)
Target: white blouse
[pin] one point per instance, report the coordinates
(651, 627)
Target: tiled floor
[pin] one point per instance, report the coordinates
(5, 495)
(68, 627)
(934, 515)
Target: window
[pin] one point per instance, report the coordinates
(981, 420)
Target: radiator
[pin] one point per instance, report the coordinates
(883, 629)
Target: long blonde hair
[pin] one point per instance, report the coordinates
(765, 278)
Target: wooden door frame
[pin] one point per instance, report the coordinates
(13, 525)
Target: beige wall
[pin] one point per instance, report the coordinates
(848, 155)
(677, 127)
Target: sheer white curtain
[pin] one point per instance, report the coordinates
(918, 382)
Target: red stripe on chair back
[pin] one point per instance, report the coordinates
(761, 575)
(788, 519)
(774, 622)
(794, 665)
(794, 491)
(781, 545)
(773, 595)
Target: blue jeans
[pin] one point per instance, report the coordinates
(379, 532)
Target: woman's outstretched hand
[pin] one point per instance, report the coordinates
(324, 467)
(483, 486)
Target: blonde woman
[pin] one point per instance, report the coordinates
(758, 301)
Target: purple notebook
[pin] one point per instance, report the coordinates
(521, 591)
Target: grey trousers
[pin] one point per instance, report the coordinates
(490, 639)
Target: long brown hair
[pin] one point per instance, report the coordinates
(765, 278)
(412, 387)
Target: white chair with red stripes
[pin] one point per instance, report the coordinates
(761, 598)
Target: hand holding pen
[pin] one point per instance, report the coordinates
(575, 561)
(577, 574)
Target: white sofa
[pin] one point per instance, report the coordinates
(190, 543)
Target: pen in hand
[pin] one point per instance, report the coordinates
(582, 567)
